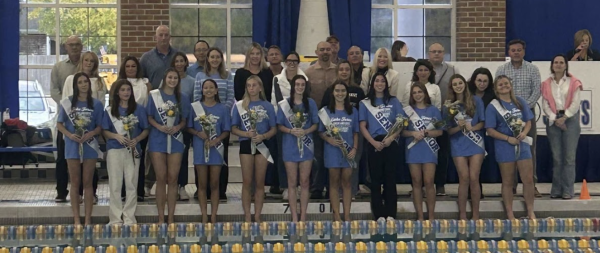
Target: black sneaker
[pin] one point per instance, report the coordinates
(275, 190)
(222, 197)
(140, 198)
(196, 195)
(61, 198)
(316, 195)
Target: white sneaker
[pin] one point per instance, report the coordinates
(285, 194)
(183, 194)
(146, 191)
(153, 190)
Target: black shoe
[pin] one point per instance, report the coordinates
(61, 198)
(222, 197)
(196, 194)
(122, 198)
(316, 195)
(140, 198)
(275, 190)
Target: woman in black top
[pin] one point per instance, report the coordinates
(583, 48)
(481, 85)
(345, 75)
(254, 64)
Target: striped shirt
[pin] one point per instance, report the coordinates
(526, 81)
(226, 93)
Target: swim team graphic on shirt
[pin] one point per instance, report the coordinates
(82, 112)
(386, 109)
(344, 124)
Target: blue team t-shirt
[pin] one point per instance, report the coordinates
(263, 125)
(81, 110)
(348, 126)
(389, 111)
(460, 144)
(505, 152)
(421, 152)
(289, 141)
(157, 140)
(221, 112)
(107, 124)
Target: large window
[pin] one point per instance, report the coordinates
(419, 23)
(226, 24)
(44, 26)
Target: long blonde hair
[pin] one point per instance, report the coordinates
(513, 98)
(263, 62)
(261, 95)
(373, 68)
(94, 73)
(467, 98)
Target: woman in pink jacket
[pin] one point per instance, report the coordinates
(560, 103)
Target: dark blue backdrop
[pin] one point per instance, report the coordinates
(9, 60)
(548, 27)
(350, 21)
(275, 22)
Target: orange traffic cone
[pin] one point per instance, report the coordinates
(585, 194)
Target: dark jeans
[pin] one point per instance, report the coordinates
(281, 176)
(441, 170)
(383, 172)
(182, 180)
(319, 175)
(62, 170)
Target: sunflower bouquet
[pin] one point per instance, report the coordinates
(81, 123)
(129, 123)
(334, 132)
(401, 123)
(452, 109)
(298, 120)
(209, 125)
(516, 126)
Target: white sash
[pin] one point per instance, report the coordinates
(246, 121)
(474, 137)
(420, 125)
(158, 102)
(92, 142)
(506, 115)
(378, 115)
(199, 110)
(118, 124)
(287, 111)
(324, 116)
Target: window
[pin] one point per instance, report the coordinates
(419, 23)
(226, 24)
(44, 26)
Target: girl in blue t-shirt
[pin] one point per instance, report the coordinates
(209, 106)
(124, 125)
(295, 158)
(377, 114)
(466, 143)
(341, 115)
(509, 108)
(422, 156)
(167, 111)
(253, 119)
(80, 120)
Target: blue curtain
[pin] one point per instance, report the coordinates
(275, 22)
(553, 23)
(350, 21)
(9, 62)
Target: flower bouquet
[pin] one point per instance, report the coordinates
(255, 116)
(129, 123)
(81, 124)
(401, 123)
(209, 125)
(516, 125)
(452, 109)
(298, 120)
(171, 110)
(334, 132)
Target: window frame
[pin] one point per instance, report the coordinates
(395, 6)
(228, 6)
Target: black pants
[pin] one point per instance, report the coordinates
(383, 171)
(62, 170)
(441, 170)
(182, 180)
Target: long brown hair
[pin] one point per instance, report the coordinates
(513, 98)
(427, 98)
(467, 98)
(177, 88)
(90, 100)
(116, 100)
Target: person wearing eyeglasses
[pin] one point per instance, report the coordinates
(526, 80)
(443, 72)
(200, 50)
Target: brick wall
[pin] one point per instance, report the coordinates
(480, 30)
(480, 27)
(139, 19)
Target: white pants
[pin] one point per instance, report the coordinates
(120, 165)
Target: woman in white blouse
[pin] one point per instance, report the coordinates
(130, 69)
(89, 65)
(423, 74)
(560, 93)
(383, 64)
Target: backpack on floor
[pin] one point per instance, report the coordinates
(16, 138)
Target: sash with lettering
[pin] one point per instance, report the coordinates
(158, 102)
(324, 117)
(199, 110)
(287, 111)
(92, 142)
(378, 115)
(420, 125)
(473, 136)
(118, 124)
(246, 121)
(506, 115)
